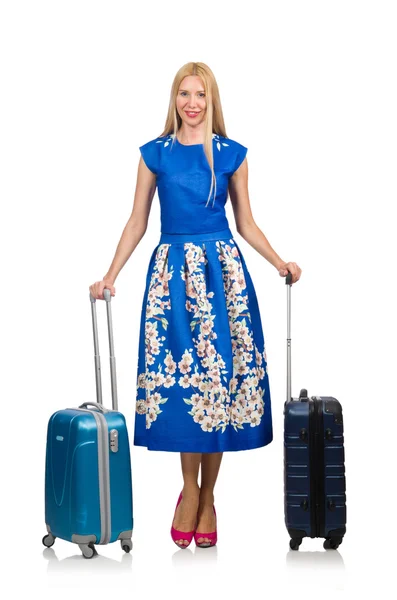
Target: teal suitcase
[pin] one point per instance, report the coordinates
(88, 481)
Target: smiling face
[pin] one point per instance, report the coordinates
(190, 101)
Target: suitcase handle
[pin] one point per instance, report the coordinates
(97, 359)
(288, 282)
(99, 406)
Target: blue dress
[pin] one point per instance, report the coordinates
(202, 379)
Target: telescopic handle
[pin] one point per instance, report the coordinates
(97, 359)
(288, 283)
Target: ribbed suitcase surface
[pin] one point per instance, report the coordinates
(314, 470)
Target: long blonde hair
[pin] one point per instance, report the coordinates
(214, 123)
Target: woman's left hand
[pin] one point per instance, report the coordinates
(293, 268)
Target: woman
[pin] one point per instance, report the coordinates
(202, 381)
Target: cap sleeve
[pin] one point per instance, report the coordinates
(150, 155)
(239, 155)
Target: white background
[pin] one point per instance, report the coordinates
(310, 88)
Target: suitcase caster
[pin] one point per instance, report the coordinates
(294, 543)
(332, 543)
(126, 545)
(88, 550)
(48, 540)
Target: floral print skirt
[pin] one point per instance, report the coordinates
(202, 378)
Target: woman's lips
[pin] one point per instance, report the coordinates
(191, 114)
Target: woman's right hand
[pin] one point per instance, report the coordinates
(97, 288)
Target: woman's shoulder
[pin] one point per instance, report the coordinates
(161, 139)
(232, 152)
(150, 152)
(227, 142)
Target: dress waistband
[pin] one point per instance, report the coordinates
(174, 238)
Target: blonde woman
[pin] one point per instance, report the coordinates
(202, 379)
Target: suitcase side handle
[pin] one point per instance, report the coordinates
(97, 359)
(99, 406)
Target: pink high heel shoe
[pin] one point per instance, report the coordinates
(213, 537)
(176, 534)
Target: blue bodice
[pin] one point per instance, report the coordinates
(184, 178)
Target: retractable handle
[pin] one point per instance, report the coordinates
(97, 359)
(288, 283)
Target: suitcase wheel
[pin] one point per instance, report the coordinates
(332, 543)
(294, 543)
(88, 550)
(126, 545)
(48, 540)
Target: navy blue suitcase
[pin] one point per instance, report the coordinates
(314, 463)
(88, 482)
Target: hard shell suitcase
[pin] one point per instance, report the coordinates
(88, 483)
(314, 462)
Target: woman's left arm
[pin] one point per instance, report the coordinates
(248, 229)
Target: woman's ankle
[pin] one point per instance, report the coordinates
(191, 489)
(206, 496)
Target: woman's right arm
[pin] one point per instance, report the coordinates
(133, 231)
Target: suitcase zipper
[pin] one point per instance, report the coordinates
(316, 466)
(320, 470)
(104, 481)
(312, 467)
(103, 473)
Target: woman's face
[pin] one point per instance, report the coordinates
(190, 101)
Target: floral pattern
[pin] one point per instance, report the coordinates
(216, 404)
(167, 140)
(216, 397)
(157, 303)
(219, 144)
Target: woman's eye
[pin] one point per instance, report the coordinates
(201, 94)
